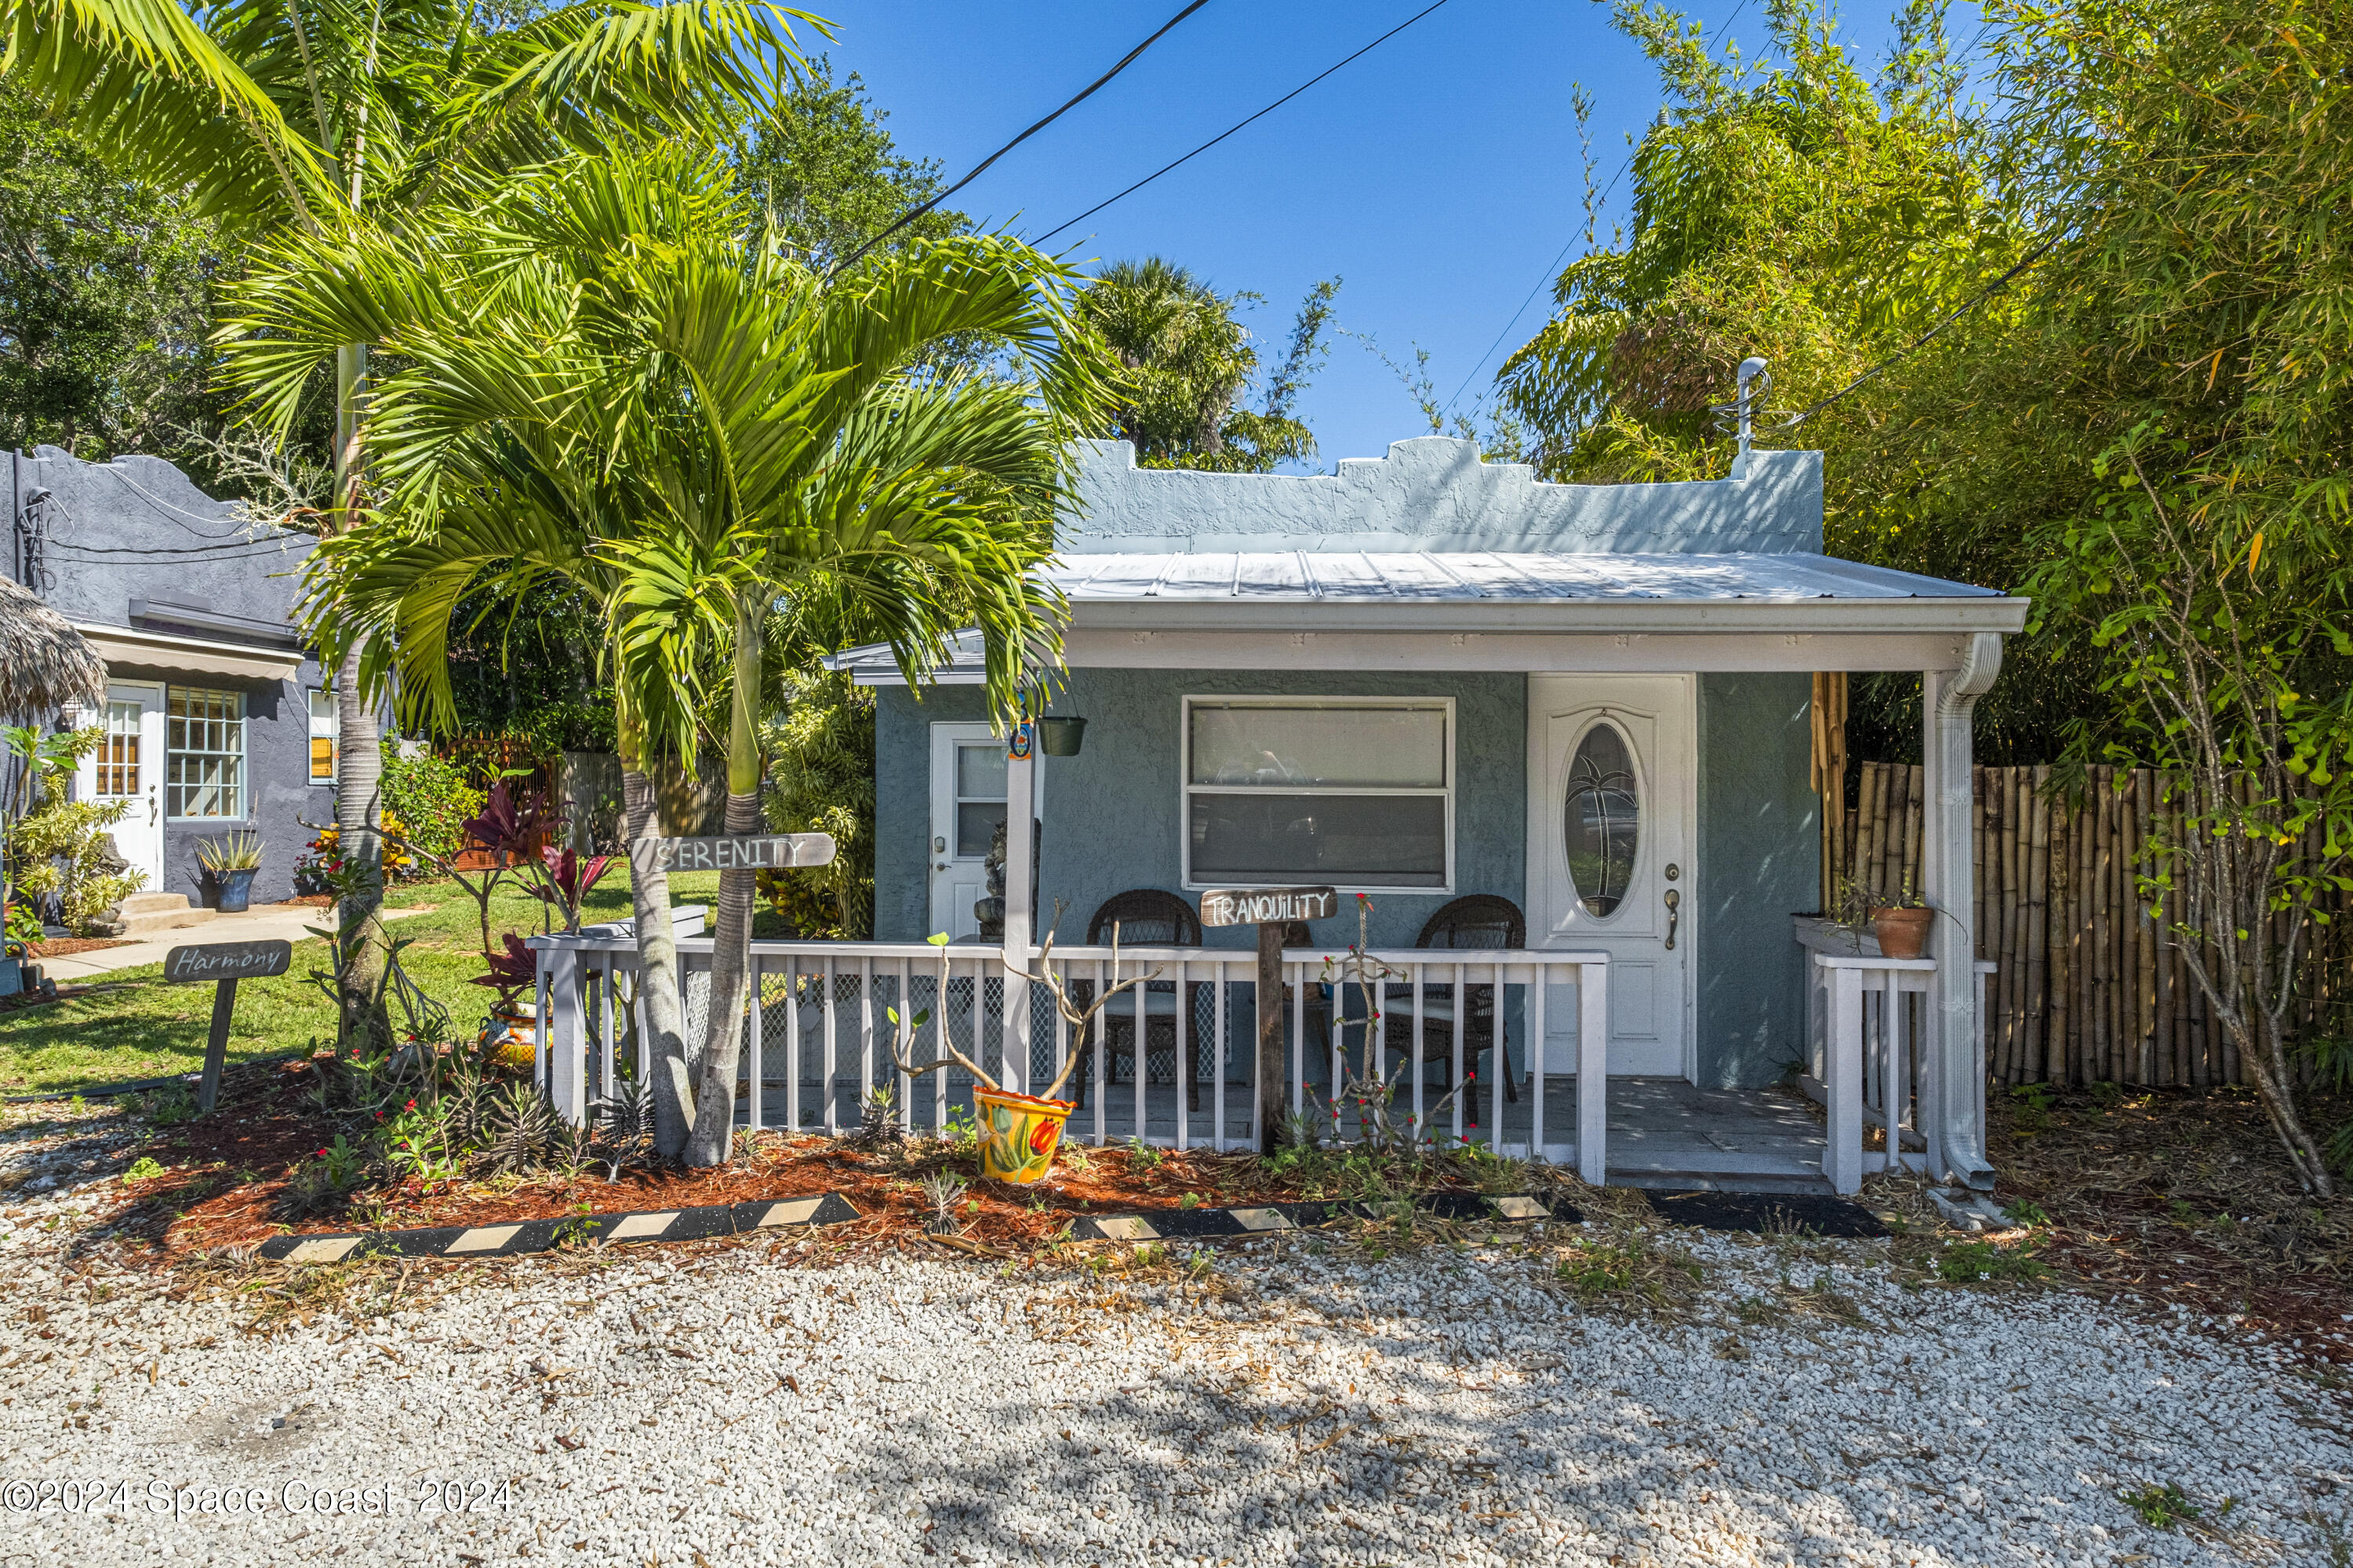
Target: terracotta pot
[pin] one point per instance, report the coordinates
(1902, 933)
(1018, 1133)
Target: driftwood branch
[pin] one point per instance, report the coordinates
(1080, 1018)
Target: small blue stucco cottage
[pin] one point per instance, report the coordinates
(1577, 714)
(217, 719)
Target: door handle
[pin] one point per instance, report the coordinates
(1674, 914)
(942, 866)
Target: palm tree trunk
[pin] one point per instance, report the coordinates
(359, 753)
(661, 1047)
(731, 946)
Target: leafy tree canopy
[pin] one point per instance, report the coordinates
(828, 175)
(1188, 359)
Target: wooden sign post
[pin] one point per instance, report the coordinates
(1270, 909)
(225, 964)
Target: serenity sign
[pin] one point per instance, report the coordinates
(1267, 906)
(228, 961)
(771, 851)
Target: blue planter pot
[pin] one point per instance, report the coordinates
(230, 892)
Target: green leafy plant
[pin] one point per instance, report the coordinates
(1981, 1262)
(2162, 1507)
(231, 852)
(167, 1106)
(432, 800)
(143, 1168)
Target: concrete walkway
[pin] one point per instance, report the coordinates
(260, 924)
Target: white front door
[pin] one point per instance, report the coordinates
(967, 804)
(1610, 829)
(128, 766)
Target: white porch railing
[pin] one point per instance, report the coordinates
(1871, 1061)
(817, 1037)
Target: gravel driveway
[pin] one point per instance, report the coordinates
(722, 1407)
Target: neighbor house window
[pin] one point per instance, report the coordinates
(322, 736)
(204, 761)
(1354, 791)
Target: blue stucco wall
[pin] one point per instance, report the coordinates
(137, 533)
(1111, 816)
(1759, 862)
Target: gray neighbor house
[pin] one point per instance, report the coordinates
(214, 719)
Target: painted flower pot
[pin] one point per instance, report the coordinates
(1902, 933)
(1061, 737)
(1018, 1133)
(512, 1033)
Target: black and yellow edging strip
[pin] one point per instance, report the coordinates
(1191, 1224)
(545, 1235)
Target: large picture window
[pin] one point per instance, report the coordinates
(205, 754)
(1354, 791)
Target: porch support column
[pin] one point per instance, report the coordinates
(1020, 907)
(1953, 1118)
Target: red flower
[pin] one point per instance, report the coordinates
(412, 1105)
(323, 1153)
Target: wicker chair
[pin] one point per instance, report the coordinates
(1146, 918)
(1478, 920)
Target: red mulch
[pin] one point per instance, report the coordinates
(66, 947)
(266, 1125)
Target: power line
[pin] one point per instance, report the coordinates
(1957, 311)
(1221, 135)
(920, 209)
(1554, 271)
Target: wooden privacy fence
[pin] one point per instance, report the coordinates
(2088, 988)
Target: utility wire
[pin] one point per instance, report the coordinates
(920, 209)
(1261, 115)
(1957, 311)
(1554, 271)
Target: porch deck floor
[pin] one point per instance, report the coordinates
(1664, 1133)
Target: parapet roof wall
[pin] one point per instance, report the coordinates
(1434, 494)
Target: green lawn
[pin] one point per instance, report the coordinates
(132, 1026)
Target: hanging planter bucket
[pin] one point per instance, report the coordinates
(1061, 737)
(1018, 1133)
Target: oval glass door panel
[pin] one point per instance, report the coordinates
(1602, 818)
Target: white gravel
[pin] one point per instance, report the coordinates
(1439, 1408)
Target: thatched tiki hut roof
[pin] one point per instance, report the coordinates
(45, 663)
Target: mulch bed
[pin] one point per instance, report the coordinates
(2182, 1197)
(66, 947)
(266, 1126)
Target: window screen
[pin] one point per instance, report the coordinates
(1353, 793)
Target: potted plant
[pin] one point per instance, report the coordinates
(1061, 737)
(1018, 1133)
(229, 864)
(1900, 921)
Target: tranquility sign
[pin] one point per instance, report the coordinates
(1267, 906)
(770, 851)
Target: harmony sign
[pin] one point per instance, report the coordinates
(225, 964)
(1267, 906)
(228, 961)
(769, 851)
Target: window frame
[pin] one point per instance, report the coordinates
(244, 754)
(1186, 788)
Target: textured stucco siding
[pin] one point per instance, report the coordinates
(1113, 814)
(1759, 862)
(1433, 493)
(97, 516)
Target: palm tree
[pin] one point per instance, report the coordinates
(602, 380)
(311, 117)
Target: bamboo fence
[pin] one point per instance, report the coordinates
(2089, 987)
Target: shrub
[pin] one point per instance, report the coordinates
(432, 799)
(821, 780)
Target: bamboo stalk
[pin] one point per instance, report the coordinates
(2010, 982)
(2143, 931)
(2104, 921)
(2063, 943)
(2038, 926)
(1914, 823)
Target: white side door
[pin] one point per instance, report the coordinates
(128, 766)
(1610, 829)
(968, 776)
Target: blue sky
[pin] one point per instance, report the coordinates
(1438, 177)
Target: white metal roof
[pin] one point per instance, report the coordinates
(1490, 591)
